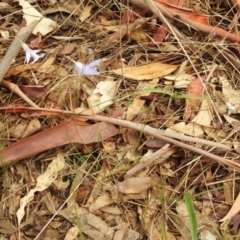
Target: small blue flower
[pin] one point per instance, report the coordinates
(89, 69)
(31, 53)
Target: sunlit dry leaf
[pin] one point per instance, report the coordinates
(68, 48)
(91, 225)
(102, 95)
(139, 36)
(204, 116)
(189, 129)
(22, 68)
(109, 147)
(230, 95)
(180, 80)
(206, 235)
(136, 106)
(234, 210)
(194, 128)
(86, 12)
(45, 26)
(119, 234)
(61, 185)
(33, 126)
(134, 185)
(14, 192)
(5, 6)
(47, 66)
(102, 201)
(112, 210)
(72, 233)
(8, 228)
(43, 182)
(217, 135)
(4, 34)
(231, 120)
(146, 72)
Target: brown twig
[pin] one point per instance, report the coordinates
(15, 89)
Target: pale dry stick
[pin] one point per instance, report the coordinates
(86, 112)
(153, 131)
(15, 47)
(158, 134)
(15, 89)
(156, 158)
(229, 135)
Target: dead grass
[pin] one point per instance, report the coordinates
(111, 186)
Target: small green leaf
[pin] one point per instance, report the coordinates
(191, 215)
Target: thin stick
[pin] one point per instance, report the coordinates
(124, 123)
(15, 89)
(84, 113)
(158, 134)
(156, 158)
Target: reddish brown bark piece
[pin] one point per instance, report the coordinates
(64, 133)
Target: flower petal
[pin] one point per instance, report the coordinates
(35, 56)
(27, 58)
(90, 71)
(94, 63)
(31, 53)
(79, 67)
(27, 52)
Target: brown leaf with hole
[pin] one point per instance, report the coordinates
(64, 133)
(134, 185)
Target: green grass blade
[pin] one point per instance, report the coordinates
(191, 214)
